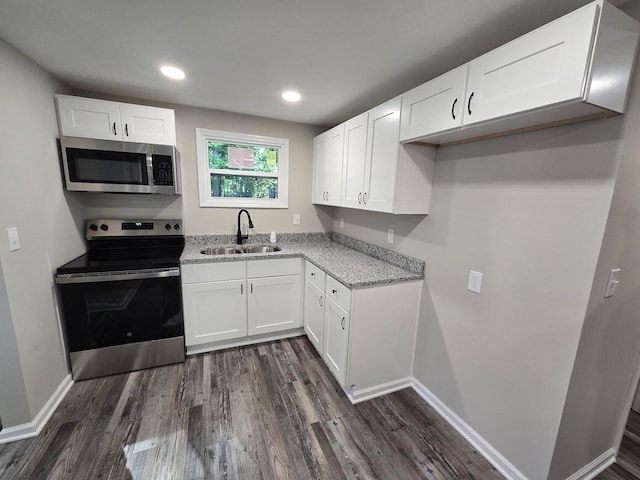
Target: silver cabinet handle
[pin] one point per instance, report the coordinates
(251, 287)
(360, 198)
(342, 323)
(453, 113)
(241, 289)
(126, 129)
(364, 198)
(333, 290)
(313, 274)
(469, 103)
(114, 129)
(320, 300)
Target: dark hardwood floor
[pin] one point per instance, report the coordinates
(271, 411)
(627, 465)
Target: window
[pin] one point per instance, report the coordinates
(240, 170)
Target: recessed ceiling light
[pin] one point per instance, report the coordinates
(172, 72)
(291, 96)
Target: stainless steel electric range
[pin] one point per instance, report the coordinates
(121, 301)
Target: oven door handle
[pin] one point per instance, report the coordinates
(117, 276)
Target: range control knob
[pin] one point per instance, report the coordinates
(93, 227)
(177, 226)
(104, 227)
(168, 226)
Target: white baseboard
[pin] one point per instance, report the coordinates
(33, 428)
(267, 337)
(357, 396)
(597, 466)
(483, 447)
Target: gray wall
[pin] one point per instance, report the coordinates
(14, 409)
(204, 221)
(529, 211)
(607, 359)
(32, 200)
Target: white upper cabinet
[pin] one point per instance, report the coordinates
(327, 166)
(435, 106)
(103, 120)
(544, 67)
(382, 154)
(379, 173)
(89, 118)
(354, 162)
(148, 124)
(576, 67)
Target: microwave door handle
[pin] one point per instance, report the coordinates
(151, 180)
(116, 276)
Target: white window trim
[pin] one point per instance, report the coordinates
(203, 135)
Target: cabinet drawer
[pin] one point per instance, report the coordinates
(314, 274)
(213, 272)
(274, 268)
(338, 292)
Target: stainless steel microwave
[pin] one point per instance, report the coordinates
(92, 165)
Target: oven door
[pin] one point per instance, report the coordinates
(118, 308)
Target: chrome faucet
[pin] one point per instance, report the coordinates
(239, 236)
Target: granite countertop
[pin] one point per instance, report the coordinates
(351, 267)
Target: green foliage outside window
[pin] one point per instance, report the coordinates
(265, 158)
(243, 187)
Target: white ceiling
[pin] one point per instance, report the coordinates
(344, 56)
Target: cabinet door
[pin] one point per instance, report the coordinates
(89, 118)
(320, 168)
(274, 304)
(214, 311)
(148, 124)
(435, 106)
(314, 314)
(336, 340)
(334, 169)
(354, 161)
(542, 68)
(382, 156)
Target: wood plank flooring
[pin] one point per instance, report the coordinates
(271, 411)
(627, 465)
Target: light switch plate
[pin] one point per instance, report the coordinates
(612, 284)
(14, 241)
(390, 235)
(475, 281)
(296, 219)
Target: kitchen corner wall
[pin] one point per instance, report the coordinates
(529, 211)
(32, 200)
(606, 366)
(204, 221)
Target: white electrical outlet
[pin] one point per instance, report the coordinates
(296, 219)
(475, 281)
(342, 223)
(390, 235)
(14, 241)
(612, 284)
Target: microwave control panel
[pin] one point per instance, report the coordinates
(162, 170)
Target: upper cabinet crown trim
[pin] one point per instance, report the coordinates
(574, 68)
(105, 120)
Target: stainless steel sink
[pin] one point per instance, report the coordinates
(238, 250)
(222, 251)
(262, 249)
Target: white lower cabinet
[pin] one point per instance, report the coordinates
(214, 311)
(274, 304)
(236, 300)
(314, 301)
(336, 345)
(365, 335)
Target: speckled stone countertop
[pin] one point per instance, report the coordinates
(353, 268)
